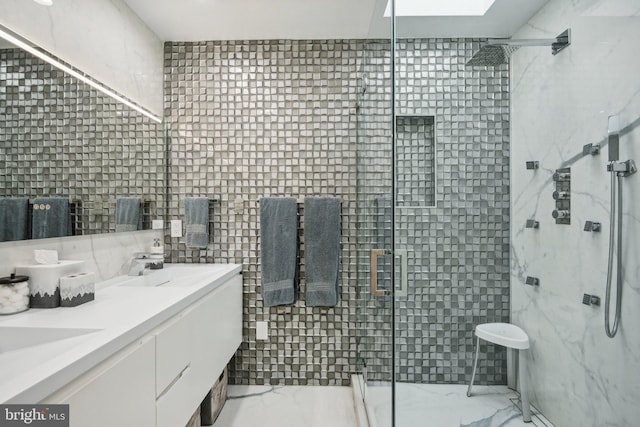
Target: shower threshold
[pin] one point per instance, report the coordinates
(446, 405)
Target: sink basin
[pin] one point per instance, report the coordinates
(15, 338)
(150, 278)
(172, 275)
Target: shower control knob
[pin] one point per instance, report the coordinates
(532, 281)
(561, 176)
(560, 195)
(560, 214)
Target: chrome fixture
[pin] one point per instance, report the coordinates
(561, 176)
(497, 51)
(590, 300)
(532, 223)
(139, 262)
(560, 195)
(613, 138)
(592, 226)
(591, 149)
(561, 214)
(532, 281)
(532, 165)
(623, 169)
(620, 170)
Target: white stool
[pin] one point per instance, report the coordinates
(510, 336)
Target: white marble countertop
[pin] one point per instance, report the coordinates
(121, 314)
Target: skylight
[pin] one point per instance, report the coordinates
(439, 7)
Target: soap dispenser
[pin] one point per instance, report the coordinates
(156, 258)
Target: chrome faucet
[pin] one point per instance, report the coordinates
(139, 263)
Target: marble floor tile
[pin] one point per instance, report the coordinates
(287, 406)
(419, 405)
(437, 405)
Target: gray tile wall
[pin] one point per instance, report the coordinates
(268, 118)
(415, 145)
(60, 137)
(458, 265)
(288, 118)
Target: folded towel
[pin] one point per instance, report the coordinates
(51, 217)
(278, 249)
(128, 214)
(196, 219)
(322, 250)
(14, 219)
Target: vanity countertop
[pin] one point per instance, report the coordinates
(120, 314)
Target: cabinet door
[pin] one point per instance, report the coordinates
(119, 392)
(219, 325)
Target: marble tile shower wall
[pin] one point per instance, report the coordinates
(60, 137)
(274, 118)
(577, 375)
(457, 251)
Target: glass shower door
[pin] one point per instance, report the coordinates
(375, 232)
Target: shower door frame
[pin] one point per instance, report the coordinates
(388, 252)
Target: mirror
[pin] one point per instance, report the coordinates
(62, 137)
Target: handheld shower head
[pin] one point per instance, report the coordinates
(614, 138)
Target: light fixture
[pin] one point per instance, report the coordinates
(44, 2)
(45, 56)
(439, 7)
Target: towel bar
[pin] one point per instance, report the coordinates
(300, 200)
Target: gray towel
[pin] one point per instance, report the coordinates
(196, 219)
(14, 219)
(278, 250)
(51, 217)
(128, 214)
(322, 250)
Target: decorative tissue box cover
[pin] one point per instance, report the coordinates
(76, 289)
(44, 281)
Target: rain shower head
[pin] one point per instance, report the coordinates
(492, 55)
(497, 52)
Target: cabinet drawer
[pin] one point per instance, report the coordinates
(176, 405)
(174, 342)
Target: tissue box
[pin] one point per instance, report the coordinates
(76, 289)
(44, 256)
(44, 281)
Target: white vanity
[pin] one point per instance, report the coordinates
(144, 353)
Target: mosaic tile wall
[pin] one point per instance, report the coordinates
(60, 137)
(268, 118)
(416, 180)
(458, 251)
(290, 118)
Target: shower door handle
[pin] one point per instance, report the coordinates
(375, 253)
(402, 290)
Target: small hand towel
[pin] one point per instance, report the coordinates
(196, 219)
(322, 250)
(14, 219)
(51, 217)
(278, 250)
(128, 214)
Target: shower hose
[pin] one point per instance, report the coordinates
(611, 331)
